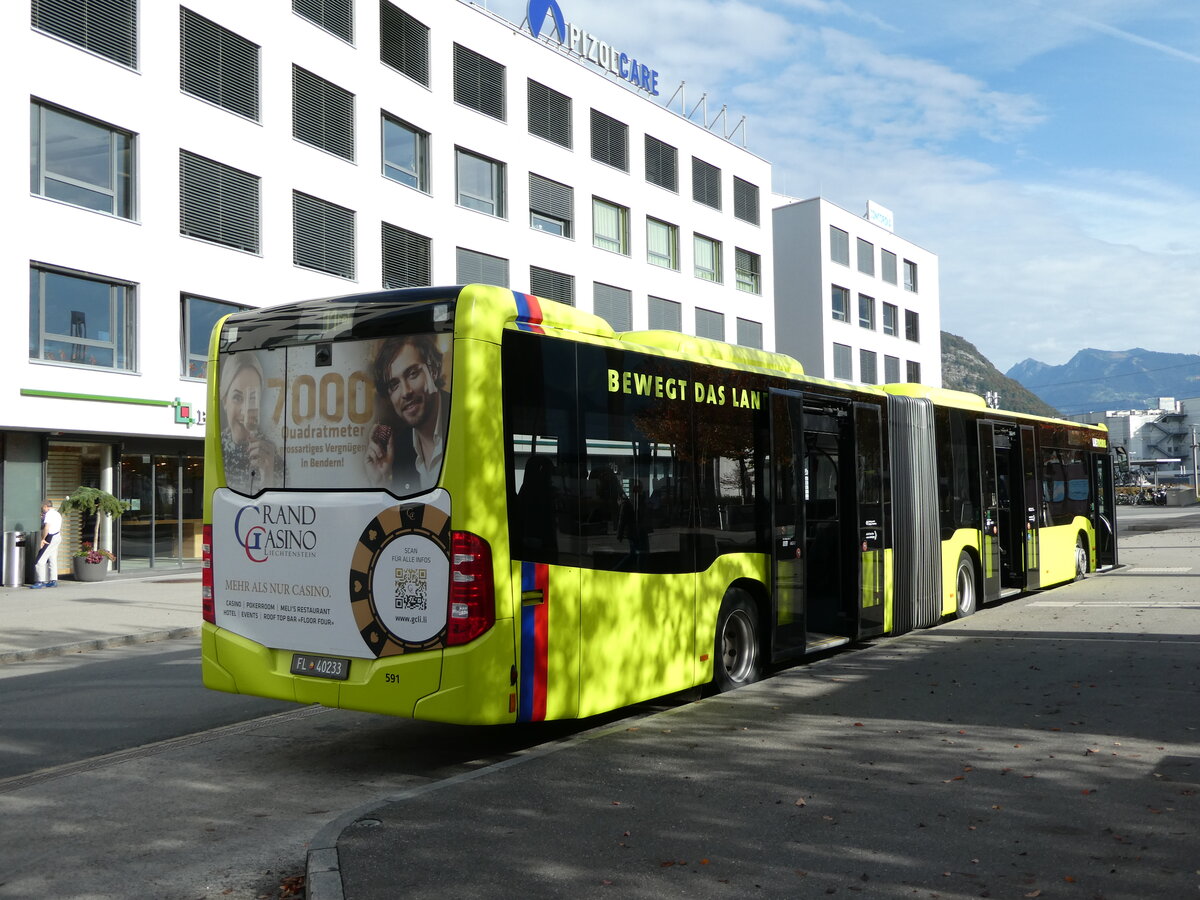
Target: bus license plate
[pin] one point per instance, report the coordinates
(320, 666)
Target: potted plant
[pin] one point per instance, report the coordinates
(90, 563)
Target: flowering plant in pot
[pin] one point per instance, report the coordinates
(90, 554)
(90, 563)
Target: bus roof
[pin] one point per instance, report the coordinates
(484, 311)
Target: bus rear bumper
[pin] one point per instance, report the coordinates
(468, 685)
(230, 662)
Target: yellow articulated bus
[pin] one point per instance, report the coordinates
(467, 504)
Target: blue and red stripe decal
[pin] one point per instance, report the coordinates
(531, 701)
(529, 312)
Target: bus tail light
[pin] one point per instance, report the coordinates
(472, 591)
(206, 577)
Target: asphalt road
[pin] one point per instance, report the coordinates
(67, 709)
(121, 777)
(1047, 746)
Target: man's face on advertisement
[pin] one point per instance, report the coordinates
(411, 388)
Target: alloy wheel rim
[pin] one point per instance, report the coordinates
(738, 646)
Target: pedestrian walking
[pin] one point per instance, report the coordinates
(45, 569)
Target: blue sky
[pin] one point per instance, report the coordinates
(1046, 151)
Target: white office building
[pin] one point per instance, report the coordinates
(190, 159)
(1160, 442)
(854, 301)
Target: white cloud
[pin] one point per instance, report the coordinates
(901, 105)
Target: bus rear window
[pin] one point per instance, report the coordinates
(353, 414)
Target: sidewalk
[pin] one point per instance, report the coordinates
(76, 616)
(1045, 747)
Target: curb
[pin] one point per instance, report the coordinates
(145, 637)
(323, 872)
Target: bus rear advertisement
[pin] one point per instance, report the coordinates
(467, 504)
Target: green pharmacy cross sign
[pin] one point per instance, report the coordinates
(185, 413)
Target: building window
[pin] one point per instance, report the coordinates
(551, 206)
(480, 183)
(662, 164)
(80, 161)
(866, 257)
(405, 153)
(403, 43)
(614, 305)
(890, 319)
(549, 114)
(748, 271)
(867, 367)
(406, 258)
(479, 82)
(745, 201)
(891, 369)
(552, 285)
(218, 203)
(217, 65)
(710, 324)
(109, 29)
(610, 226)
(706, 183)
(887, 265)
(910, 276)
(84, 320)
(322, 235)
(335, 16)
(664, 315)
(912, 326)
(707, 258)
(866, 312)
(839, 245)
(662, 244)
(914, 372)
(840, 304)
(610, 141)
(322, 114)
(473, 267)
(750, 333)
(200, 316)
(843, 362)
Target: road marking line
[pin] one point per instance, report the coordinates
(1119, 604)
(1154, 570)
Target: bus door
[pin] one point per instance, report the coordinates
(1011, 513)
(814, 531)
(868, 451)
(989, 492)
(1104, 519)
(787, 522)
(1033, 563)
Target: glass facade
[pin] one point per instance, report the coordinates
(165, 493)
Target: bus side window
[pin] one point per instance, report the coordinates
(537, 510)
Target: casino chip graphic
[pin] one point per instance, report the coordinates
(399, 580)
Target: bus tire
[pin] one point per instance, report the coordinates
(1082, 558)
(966, 587)
(737, 657)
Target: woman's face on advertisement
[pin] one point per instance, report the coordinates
(242, 405)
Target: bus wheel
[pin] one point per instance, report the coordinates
(737, 660)
(1081, 558)
(964, 587)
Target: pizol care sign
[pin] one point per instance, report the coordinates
(587, 47)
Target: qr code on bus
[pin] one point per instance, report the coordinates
(410, 589)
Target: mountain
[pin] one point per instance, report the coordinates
(964, 368)
(1111, 379)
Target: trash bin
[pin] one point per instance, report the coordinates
(14, 558)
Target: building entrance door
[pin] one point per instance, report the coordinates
(165, 493)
